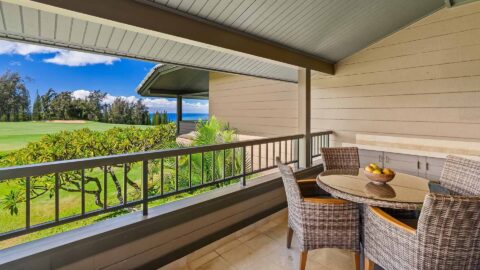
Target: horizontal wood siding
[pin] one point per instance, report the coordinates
(423, 81)
(254, 106)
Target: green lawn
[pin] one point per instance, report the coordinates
(15, 135)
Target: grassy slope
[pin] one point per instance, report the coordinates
(15, 135)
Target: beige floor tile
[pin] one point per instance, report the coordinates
(228, 246)
(202, 251)
(248, 236)
(196, 264)
(269, 225)
(278, 233)
(218, 263)
(263, 246)
(247, 229)
(336, 259)
(240, 257)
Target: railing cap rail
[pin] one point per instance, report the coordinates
(321, 133)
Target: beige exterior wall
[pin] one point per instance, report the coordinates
(423, 81)
(254, 106)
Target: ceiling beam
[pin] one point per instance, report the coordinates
(143, 15)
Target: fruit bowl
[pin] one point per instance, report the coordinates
(379, 179)
(378, 175)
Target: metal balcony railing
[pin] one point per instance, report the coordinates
(140, 178)
(319, 140)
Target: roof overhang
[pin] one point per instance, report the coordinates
(59, 25)
(263, 38)
(174, 81)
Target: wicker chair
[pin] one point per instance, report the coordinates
(461, 175)
(447, 236)
(340, 158)
(319, 222)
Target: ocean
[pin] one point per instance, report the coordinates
(186, 116)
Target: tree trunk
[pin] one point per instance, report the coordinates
(117, 184)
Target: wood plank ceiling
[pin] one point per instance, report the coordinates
(327, 29)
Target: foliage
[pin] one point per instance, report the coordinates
(14, 98)
(160, 118)
(84, 143)
(37, 108)
(214, 131)
(12, 200)
(16, 135)
(87, 143)
(63, 106)
(15, 105)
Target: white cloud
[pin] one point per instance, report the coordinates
(153, 104)
(61, 56)
(80, 59)
(196, 107)
(8, 47)
(80, 94)
(109, 98)
(160, 104)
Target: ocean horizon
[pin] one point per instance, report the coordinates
(186, 116)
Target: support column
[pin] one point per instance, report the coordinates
(179, 113)
(304, 119)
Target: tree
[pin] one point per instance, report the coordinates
(139, 113)
(164, 118)
(95, 105)
(148, 120)
(15, 105)
(37, 108)
(118, 111)
(14, 97)
(155, 119)
(47, 99)
(61, 106)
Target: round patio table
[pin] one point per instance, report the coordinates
(403, 192)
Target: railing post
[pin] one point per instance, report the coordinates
(179, 113)
(57, 198)
(304, 113)
(244, 166)
(145, 187)
(27, 202)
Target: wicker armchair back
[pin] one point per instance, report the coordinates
(447, 236)
(340, 158)
(461, 175)
(448, 233)
(319, 225)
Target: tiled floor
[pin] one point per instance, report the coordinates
(261, 246)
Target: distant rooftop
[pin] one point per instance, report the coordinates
(172, 81)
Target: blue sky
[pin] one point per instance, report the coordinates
(65, 70)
